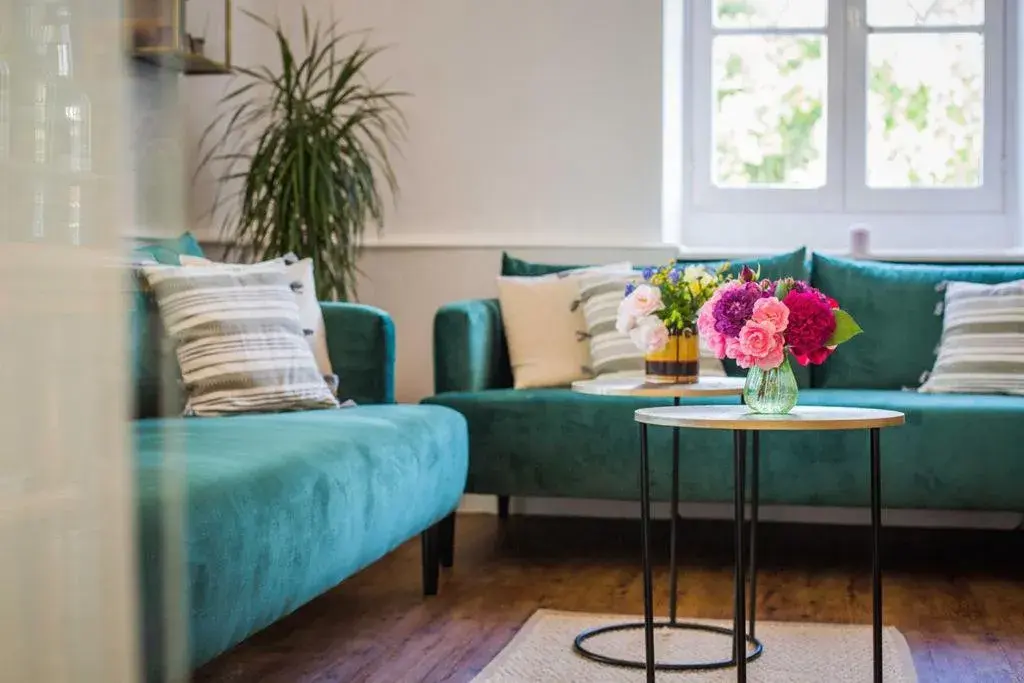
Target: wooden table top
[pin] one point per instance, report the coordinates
(636, 385)
(802, 418)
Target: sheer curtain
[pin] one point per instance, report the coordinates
(68, 565)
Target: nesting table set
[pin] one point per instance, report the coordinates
(743, 423)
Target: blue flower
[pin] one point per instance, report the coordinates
(674, 276)
(648, 273)
(629, 288)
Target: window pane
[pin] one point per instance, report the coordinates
(925, 110)
(769, 111)
(771, 13)
(926, 12)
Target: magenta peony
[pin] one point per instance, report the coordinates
(734, 307)
(811, 323)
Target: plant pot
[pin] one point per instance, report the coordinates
(677, 363)
(771, 392)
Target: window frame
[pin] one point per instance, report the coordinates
(845, 189)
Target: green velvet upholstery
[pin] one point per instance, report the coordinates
(789, 264)
(470, 349)
(282, 507)
(361, 345)
(896, 305)
(955, 452)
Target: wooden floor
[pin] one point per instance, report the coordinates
(958, 597)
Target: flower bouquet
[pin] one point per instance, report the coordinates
(759, 323)
(660, 315)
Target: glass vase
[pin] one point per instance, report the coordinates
(771, 392)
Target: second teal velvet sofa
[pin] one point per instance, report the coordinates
(956, 452)
(255, 515)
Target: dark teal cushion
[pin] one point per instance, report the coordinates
(282, 507)
(955, 452)
(149, 363)
(790, 264)
(895, 304)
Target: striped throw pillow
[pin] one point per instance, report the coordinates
(238, 339)
(611, 351)
(982, 347)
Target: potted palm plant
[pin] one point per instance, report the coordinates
(302, 154)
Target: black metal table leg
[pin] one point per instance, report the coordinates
(673, 578)
(876, 552)
(755, 494)
(648, 625)
(645, 534)
(739, 625)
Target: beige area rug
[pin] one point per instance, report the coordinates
(793, 653)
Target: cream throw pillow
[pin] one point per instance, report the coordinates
(543, 321)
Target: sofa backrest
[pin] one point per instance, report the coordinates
(149, 362)
(790, 264)
(899, 307)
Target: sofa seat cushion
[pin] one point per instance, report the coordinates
(955, 452)
(281, 507)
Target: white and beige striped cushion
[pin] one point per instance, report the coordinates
(238, 339)
(982, 348)
(611, 351)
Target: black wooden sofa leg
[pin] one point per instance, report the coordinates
(430, 545)
(502, 507)
(447, 540)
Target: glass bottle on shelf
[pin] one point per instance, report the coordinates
(62, 128)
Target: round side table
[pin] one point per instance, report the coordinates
(741, 421)
(635, 385)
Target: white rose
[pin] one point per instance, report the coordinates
(646, 300)
(650, 335)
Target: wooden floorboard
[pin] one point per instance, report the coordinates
(958, 596)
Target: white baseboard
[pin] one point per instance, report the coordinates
(566, 507)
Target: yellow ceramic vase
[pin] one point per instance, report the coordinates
(677, 363)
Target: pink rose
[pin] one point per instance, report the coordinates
(774, 358)
(771, 310)
(757, 339)
(645, 300)
(732, 350)
(716, 343)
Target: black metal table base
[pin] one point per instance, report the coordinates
(743, 631)
(754, 646)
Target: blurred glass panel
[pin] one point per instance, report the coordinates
(926, 110)
(926, 12)
(769, 116)
(771, 13)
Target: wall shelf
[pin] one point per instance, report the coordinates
(188, 63)
(159, 33)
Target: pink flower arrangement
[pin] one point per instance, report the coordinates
(756, 322)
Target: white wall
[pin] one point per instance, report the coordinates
(536, 126)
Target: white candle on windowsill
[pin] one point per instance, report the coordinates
(860, 240)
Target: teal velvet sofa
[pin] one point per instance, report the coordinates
(258, 514)
(956, 452)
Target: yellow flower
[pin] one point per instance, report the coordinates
(695, 287)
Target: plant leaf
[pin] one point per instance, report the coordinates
(846, 328)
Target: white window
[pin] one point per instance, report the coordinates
(845, 105)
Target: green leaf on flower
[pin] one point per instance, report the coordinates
(782, 289)
(846, 328)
